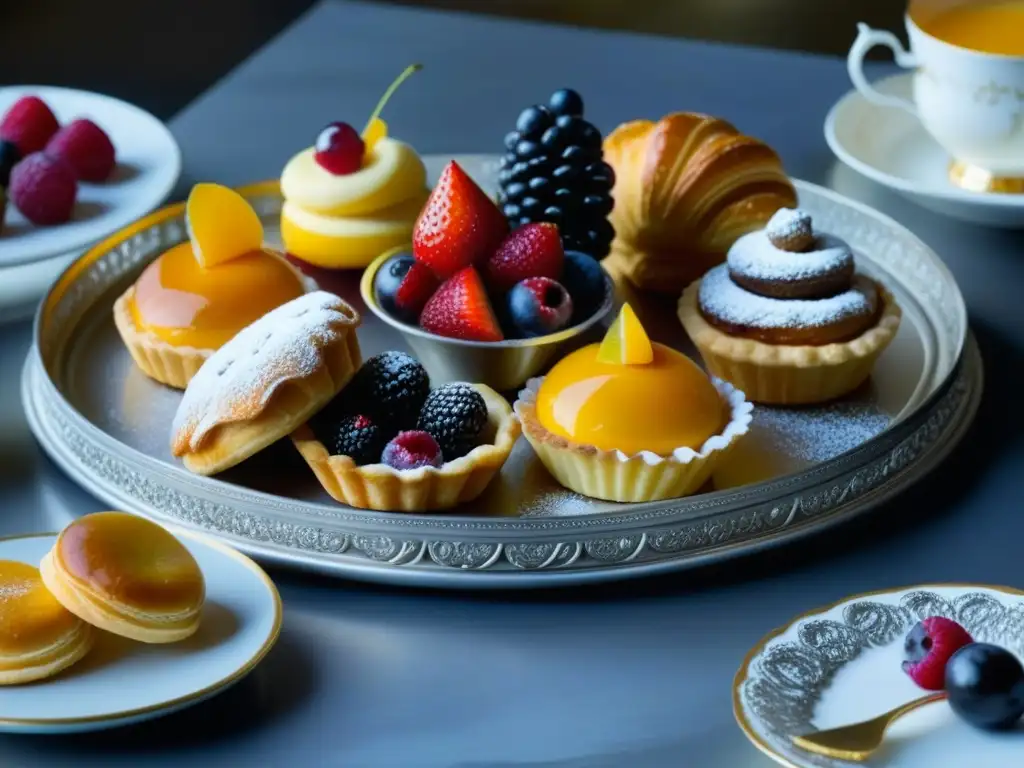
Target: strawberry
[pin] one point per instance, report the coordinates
(532, 250)
(459, 309)
(458, 227)
(29, 124)
(416, 288)
(86, 148)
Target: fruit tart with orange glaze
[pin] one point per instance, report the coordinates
(352, 196)
(199, 294)
(631, 420)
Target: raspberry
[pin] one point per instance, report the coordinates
(44, 189)
(390, 387)
(412, 450)
(86, 148)
(355, 436)
(929, 646)
(455, 415)
(29, 124)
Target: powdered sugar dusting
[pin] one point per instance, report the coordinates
(756, 257)
(283, 345)
(14, 590)
(721, 298)
(811, 435)
(788, 223)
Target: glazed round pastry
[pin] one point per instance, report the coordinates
(128, 576)
(39, 637)
(265, 382)
(823, 269)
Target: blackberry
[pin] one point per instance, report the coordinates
(356, 436)
(391, 387)
(9, 157)
(455, 416)
(553, 170)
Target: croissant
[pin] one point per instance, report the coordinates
(686, 187)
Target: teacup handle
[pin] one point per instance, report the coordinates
(868, 38)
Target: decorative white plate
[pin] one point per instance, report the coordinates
(841, 664)
(891, 147)
(122, 682)
(149, 163)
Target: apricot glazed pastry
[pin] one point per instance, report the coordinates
(265, 382)
(390, 442)
(631, 420)
(128, 576)
(352, 196)
(788, 319)
(39, 637)
(199, 294)
(686, 187)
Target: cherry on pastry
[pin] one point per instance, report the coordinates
(928, 647)
(340, 150)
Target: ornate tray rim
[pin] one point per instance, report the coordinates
(492, 551)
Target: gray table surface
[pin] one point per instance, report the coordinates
(631, 675)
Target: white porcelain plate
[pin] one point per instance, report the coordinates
(841, 664)
(891, 147)
(149, 163)
(122, 682)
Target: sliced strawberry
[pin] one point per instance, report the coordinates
(416, 288)
(533, 250)
(459, 309)
(458, 227)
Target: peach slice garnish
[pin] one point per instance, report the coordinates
(221, 224)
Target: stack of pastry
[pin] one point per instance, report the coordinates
(686, 187)
(109, 571)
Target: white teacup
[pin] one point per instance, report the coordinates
(971, 102)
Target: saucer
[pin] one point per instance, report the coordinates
(891, 147)
(149, 163)
(121, 682)
(840, 665)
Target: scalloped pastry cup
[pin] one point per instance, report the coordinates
(781, 374)
(645, 476)
(167, 363)
(380, 487)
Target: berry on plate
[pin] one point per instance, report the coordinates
(928, 647)
(87, 148)
(538, 306)
(458, 227)
(44, 189)
(533, 250)
(9, 157)
(391, 387)
(460, 309)
(29, 124)
(584, 279)
(985, 686)
(412, 450)
(402, 286)
(455, 416)
(358, 437)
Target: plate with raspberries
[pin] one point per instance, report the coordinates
(74, 168)
(955, 648)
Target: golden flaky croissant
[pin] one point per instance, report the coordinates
(686, 187)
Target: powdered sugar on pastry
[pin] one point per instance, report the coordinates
(756, 257)
(721, 298)
(239, 379)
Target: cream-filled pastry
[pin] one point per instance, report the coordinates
(126, 575)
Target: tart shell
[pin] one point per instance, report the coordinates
(780, 374)
(380, 487)
(614, 476)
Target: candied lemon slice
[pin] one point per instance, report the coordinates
(626, 342)
(221, 224)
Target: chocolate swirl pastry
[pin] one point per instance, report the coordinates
(789, 284)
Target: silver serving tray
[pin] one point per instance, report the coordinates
(800, 471)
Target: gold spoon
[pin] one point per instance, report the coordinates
(858, 741)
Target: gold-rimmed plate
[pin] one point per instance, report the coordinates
(122, 682)
(840, 664)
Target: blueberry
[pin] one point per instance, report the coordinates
(387, 281)
(519, 172)
(533, 121)
(566, 102)
(538, 306)
(584, 279)
(511, 139)
(526, 149)
(985, 686)
(552, 137)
